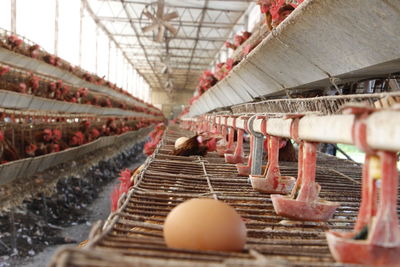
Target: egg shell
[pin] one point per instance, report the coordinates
(180, 141)
(205, 224)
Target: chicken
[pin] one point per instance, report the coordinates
(105, 102)
(22, 88)
(286, 150)
(248, 48)
(57, 135)
(155, 137)
(44, 136)
(4, 70)
(50, 59)
(246, 35)
(239, 39)
(7, 150)
(125, 179)
(212, 144)
(123, 187)
(45, 141)
(84, 126)
(230, 63)
(149, 147)
(230, 45)
(93, 134)
(77, 139)
(207, 80)
(14, 42)
(33, 83)
(30, 150)
(34, 51)
(277, 10)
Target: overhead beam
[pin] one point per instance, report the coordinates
(183, 65)
(183, 6)
(183, 23)
(170, 55)
(215, 39)
(203, 14)
(170, 48)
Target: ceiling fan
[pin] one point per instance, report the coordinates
(160, 21)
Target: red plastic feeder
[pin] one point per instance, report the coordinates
(272, 182)
(245, 169)
(303, 203)
(223, 129)
(229, 147)
(380, 245)
(376, 236)
(237, 156)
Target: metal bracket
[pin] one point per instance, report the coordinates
(256, 165)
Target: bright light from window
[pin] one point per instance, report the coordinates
(5, 14)
(36, 21)
(68, 25)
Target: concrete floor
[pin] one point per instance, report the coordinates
(99, 210)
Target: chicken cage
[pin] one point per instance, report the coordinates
(133, 234)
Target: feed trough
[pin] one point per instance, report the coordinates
(133, 234)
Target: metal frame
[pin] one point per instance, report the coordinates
(202, 30)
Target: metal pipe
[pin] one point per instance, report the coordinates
(383, 129)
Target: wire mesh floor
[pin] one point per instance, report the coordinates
(134, 234)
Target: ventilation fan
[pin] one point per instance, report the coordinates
(159, 21)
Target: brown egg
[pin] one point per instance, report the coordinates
(180, 141)
(205, 224)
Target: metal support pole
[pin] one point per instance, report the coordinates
(57, 11)
(109, 59)
(126, 76)
(257, 156)
(97, 50)
(116, 73)
(14, 16)
(256, 165)
(81, 32)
